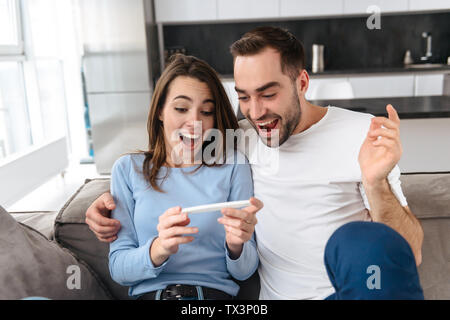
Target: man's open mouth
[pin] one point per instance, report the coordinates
(265, 128)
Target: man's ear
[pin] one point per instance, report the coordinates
(302, 82)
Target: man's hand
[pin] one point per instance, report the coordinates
(382, 149)
(98, 218)
(239, 225)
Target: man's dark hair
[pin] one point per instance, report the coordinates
(290, 49)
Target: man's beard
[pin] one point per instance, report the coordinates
(292, 119)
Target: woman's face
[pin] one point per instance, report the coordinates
(187, 114)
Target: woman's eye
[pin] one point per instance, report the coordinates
(243, 98)
(207, 113)
(181, 109)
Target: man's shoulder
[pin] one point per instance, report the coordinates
(349, 114)
(345, 120)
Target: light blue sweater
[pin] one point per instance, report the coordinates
(205, 261)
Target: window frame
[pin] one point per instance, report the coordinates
(18, 49)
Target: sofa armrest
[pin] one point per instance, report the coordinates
(42, 221)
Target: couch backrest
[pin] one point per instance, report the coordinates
(428, 194)
(428, 197)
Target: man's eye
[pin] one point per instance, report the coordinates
(269, 95)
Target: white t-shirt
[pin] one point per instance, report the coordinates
(310, 186)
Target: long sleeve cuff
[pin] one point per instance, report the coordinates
(247, 263)
(130, 266)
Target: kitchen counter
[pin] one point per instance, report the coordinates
(371, 71)
(364, 71)
(407, 107)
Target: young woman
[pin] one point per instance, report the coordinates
(160, 252)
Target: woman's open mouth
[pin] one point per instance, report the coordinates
(190, 140)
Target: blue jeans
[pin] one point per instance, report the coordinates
(371, 261)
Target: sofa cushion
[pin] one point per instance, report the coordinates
(33, 266)
(428, 196)
(434, 271)
(73, 233)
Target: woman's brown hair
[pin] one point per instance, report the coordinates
(224, 117)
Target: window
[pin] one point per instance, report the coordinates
(10, 28)
(15, 133)
(32, 86)
(52, 98)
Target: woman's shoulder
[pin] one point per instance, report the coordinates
(128, 161)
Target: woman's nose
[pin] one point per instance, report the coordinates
(194, 116)
(194, 124)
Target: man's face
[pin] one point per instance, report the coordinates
(268, 98)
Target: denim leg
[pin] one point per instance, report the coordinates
(369, 260)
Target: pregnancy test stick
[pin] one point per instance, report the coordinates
(217, 206)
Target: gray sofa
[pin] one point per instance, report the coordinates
(68, 241)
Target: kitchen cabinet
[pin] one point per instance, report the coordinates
(360, 6)
(429, 84)
(314, 93)
(168, 11)
(179, 11)
(390, 85)
(182, 11)
(383, 86)
(366, 86)
(308, 8)
(421, 5)
(247, 9)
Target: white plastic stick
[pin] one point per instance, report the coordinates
(216, 206)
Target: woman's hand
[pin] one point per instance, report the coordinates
(239, 225)
(171, 228)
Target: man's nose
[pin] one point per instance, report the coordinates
(256, 109)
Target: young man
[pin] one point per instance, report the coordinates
(336, 169)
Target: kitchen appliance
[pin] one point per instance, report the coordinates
(318, 58)
(428, 54)
(119, 65)
(407, 60)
